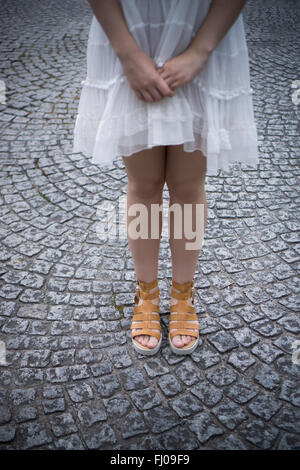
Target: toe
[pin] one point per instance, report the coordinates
(187, 339)
(139, 339)
(152, 343)
(177, 341)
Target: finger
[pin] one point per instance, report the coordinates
(139, 95)
(147, 96)
(170, 81)
(173, 84)
(156, 94)
(164, 74)
(164, 88)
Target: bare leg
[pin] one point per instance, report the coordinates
(185, 177)
(146, 178)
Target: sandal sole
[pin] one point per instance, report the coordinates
(183, 351)
(146, 351)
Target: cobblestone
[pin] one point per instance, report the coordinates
(72, 379)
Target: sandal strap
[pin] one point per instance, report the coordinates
(183, 287)
(146, 286)
(183, 308)
(147, 307)
(142, 291)
(145, 316)
(146, 319)
(182, 313)
(145, 324)
(183, 332)
(146, 331)
(180, 296)
(145, 295)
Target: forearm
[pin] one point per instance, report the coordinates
(220, 17)
(110, 15)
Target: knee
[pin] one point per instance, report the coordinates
(146, 188)
(187, 191)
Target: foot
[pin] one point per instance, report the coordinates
(182, 340)
(147, 340)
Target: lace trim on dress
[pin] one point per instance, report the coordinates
(219, 94)
(157, 25)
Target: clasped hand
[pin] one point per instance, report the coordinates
(152, 83)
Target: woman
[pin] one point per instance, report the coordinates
(167, 90)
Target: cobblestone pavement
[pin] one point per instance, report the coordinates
(72, 379)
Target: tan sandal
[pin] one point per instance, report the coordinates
(146, 317)
(180, 314)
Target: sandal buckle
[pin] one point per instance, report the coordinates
(137, 295)
(192, 293)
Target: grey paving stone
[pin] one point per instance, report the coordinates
(266, 352)
(232, 442)
(249, 313)
(32, 435)
(221, 375)
(132, 379)
(179, 438)
(241, 360)
(188, 373)
(267, 377)
(133, 425)
(145, 399)
(186, 405)
(245, 337)
(91, 413)
(52, 405)
(102, 436)
(107, 385)
(285, 343)
(285, 366)
(144, 443)
(71, 442)
(62, 424)
(241, 392)
(120, 357)
(223, 341)
(290, 323)
(229, 413)
(160, 419)
(117, 406)
(169, 385)
(265, 406)
(57, 374)
(206, 357)
(208, 393)
(290, 392)
(21, 396)
(101, 369)
(155, 368)
(288, 419)
(266, 328)
(7, 432)
(5, 414)
(204, 427)
(26, 413)
(260, 434)
(289, 442)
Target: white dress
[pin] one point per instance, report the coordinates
(212, 113)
